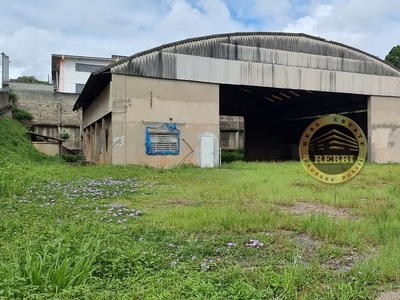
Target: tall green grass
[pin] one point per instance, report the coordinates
(18, 158)
(50, 269)
(193, 239)
(15, 146)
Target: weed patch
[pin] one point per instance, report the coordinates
(241, 231)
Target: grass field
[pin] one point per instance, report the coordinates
(241, 231)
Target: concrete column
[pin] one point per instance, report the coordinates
(119, 119)
(86, 143)
(384, 129)
(61, 82)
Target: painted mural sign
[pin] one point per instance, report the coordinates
(333, 149)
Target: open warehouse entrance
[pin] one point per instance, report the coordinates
(275, 118)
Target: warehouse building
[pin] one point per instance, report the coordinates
(162, 107)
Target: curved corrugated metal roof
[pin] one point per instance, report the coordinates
(184, 59)
(254, 47)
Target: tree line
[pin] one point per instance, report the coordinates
(29, 79)
(393, 57)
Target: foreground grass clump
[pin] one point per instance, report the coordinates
(48, 270)
(241, 231)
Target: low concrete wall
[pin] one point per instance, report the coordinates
(231, 140)
(5, 105)
(5, 111)
(49, 148)
(4, 99)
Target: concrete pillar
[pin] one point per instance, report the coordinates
(119, 120)
(384, 129)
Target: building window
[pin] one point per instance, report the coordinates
(79, 87)
(87, 68)
(163, 140)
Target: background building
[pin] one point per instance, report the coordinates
(70, 73)
(51, 105)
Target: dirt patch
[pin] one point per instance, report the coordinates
(308, 208)
(307, 244)
(391, 295)
(181, 202)
(343, 263)
(309, 248)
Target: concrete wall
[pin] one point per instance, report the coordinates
(4, 99)
(139, 102)
(97, 141)
(52, 111)
(100, 107)
(5, 105)
(96, 124)
(231, 132)
(303, 73)
(384, 129)
(47, 147)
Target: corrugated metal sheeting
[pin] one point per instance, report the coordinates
(271, 48)
(281, 60)
(283, 76)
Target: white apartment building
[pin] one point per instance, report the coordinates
(70, 73)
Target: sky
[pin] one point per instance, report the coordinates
(31, 31)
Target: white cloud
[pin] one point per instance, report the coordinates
(30, 31)
(357, 23)
(184, 20)
(28, 51)
(272, 11)
(311, 23)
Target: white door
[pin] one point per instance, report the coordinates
(207, 152)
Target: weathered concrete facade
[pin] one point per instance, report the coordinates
(5, 104)
(52, 111)
(50, 148)
(231, 135)
(115, 128)
(384, 129)
(4, 99)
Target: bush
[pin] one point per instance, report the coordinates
(13, 96)
(73, 158)
(21, 114)
(64, 135)
(232, 155)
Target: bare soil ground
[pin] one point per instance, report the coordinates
(318, 208)
(309, 244)
(391, 295)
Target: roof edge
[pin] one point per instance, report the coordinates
(227, 35)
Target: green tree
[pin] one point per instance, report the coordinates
(29, 79)
(393, 57)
